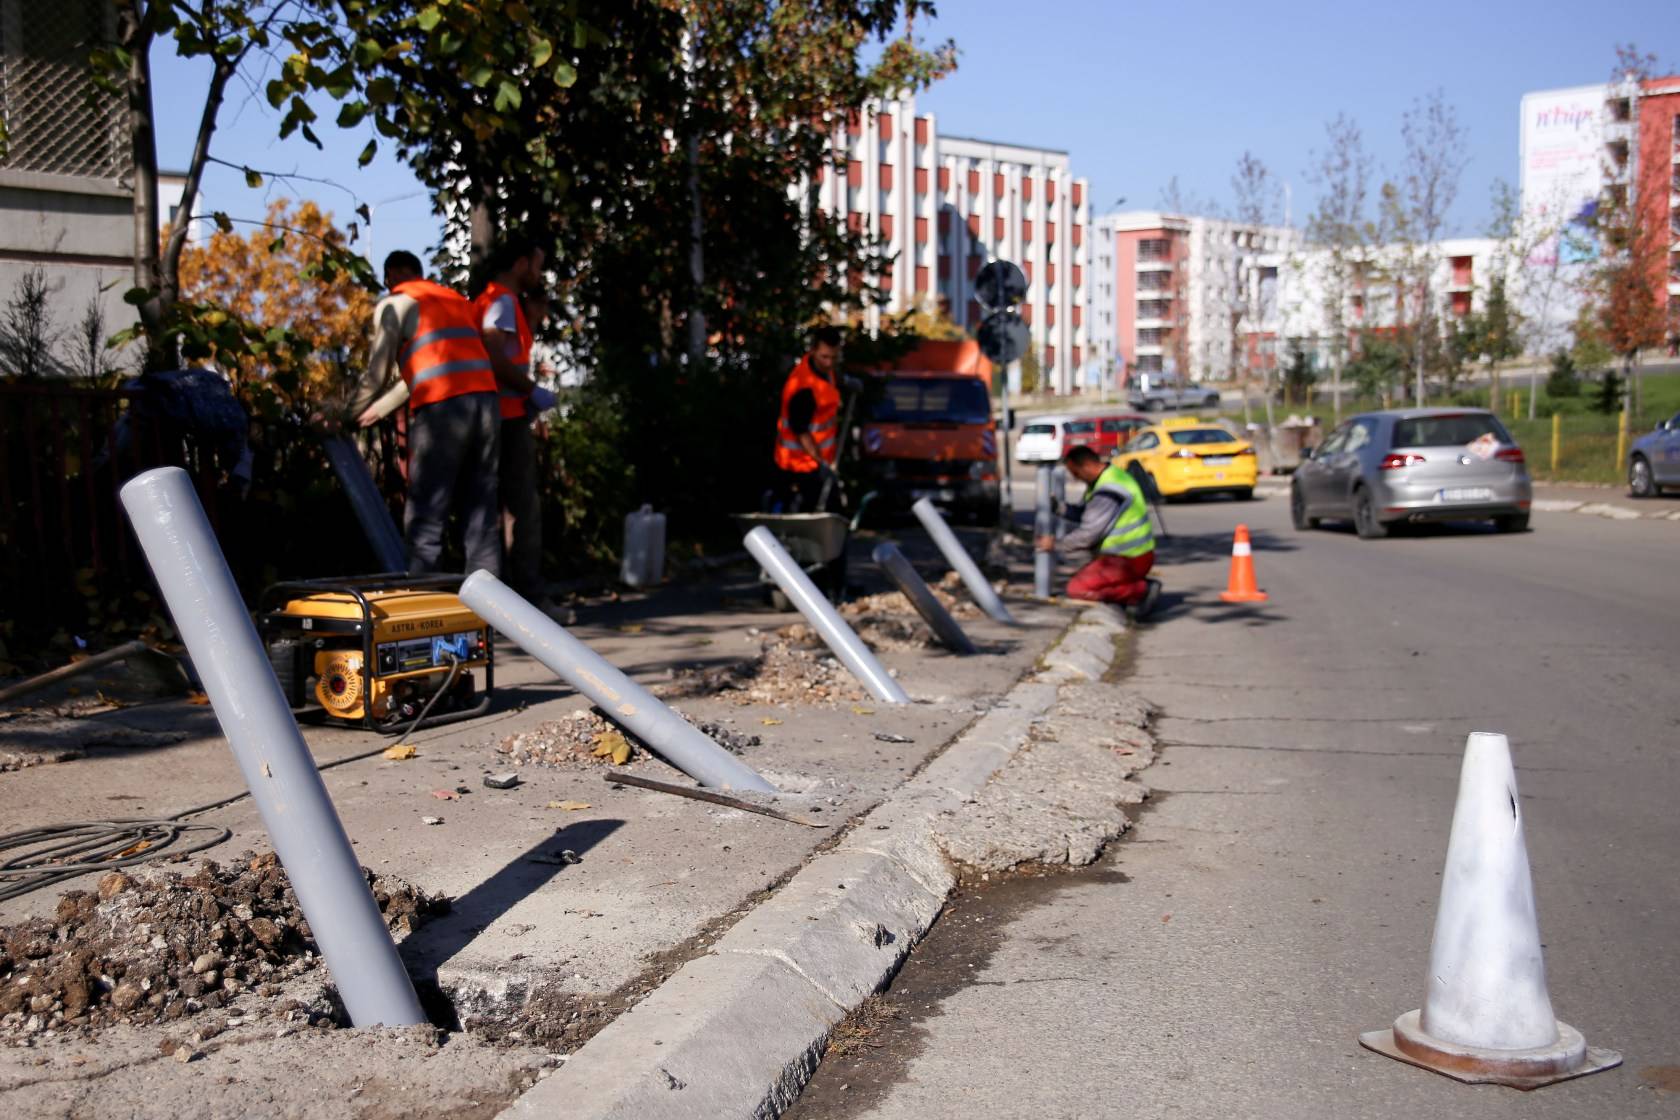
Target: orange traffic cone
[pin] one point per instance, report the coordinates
(1241, 588)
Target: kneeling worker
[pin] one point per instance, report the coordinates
(1112, 545)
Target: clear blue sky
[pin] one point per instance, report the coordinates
(1137, 90)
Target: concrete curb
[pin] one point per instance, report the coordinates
(738, 1032)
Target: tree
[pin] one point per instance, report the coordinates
(1299, 375)
(272, 277)
(1563, 382)
(1588, 350)
(1633, 241)
(90, 351)
(1526, 246)
(1491, 334)
(1417, 206)
(1254, 194)
(28, 333)
(1340, 228)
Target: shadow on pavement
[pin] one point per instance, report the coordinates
(439, 941)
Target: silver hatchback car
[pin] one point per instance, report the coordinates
(1414, 464)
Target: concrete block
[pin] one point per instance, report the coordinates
(730, 1035)
(844, 923)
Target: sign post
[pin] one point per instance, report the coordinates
(1003, 337)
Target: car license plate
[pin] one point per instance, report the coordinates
(1466, 494)
(1217, 460)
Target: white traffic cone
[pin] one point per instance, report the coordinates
(1487, 1016)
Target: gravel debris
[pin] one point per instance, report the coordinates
(573, 740)
(792, 667)
(161, 944)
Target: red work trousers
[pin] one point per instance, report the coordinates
(1112, 579)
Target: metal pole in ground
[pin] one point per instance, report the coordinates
(921, 596)
(257, 721)
(820, 613)
(370, 509)
(961, 562)
(623, 700)
(1044, 560)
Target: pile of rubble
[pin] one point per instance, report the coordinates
(160, 945)
(792, 667)
(586, 738)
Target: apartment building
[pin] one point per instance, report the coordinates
(944, 206)
(1189, 295)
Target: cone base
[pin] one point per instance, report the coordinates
(1569, 1057)
(1244, 596)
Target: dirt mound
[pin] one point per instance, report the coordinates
(159, 945)
(577, 740)
(792, 667)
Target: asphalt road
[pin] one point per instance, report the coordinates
(1278, 897)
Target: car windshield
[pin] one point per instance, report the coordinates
(1451, 430)
(955, 400)
(1201, 435)
(1039, 430)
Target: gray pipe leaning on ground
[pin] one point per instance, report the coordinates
(961, 562)
(921, 596)
(277, 766)
(370, 509)
(822, 616)
(623, 700)
(1044, 525)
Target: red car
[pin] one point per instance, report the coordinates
(1103, 434)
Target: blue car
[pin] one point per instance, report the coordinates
(1654, 460)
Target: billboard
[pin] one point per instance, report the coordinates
(1562, 168)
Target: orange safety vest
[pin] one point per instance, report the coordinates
(446, 356)
(512, 403)
(825, 422)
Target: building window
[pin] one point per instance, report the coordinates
(1152, 309)
(1155, 249)
(1148, 363)
(1150, 336)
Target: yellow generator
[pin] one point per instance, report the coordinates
(377, 652)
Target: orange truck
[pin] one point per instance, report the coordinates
(927, 431)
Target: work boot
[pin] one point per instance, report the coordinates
(1144, 607)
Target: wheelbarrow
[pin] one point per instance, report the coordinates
(817, 543)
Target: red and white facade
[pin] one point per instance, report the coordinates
(945, 206)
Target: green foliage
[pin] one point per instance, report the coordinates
(588, 486)
(1380, 362)
(1562, 381)
(1607, 399)
(1299, 374)
(1032, 371)
(1590, 351)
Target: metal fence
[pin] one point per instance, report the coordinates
(57, 121)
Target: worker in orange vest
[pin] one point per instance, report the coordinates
(808, 427)
(515, 268)
(428, 334)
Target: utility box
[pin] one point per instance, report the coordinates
(644, 548)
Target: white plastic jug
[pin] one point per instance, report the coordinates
(644, 548)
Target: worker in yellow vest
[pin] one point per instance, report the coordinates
(1113, 545)
(428, 335)
(808, 426)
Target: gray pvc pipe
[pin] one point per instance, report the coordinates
(1044, 561)
(254, 716)
(678, 742)
(820, 613)
(927, 604)
(370, 508)
(961, 562)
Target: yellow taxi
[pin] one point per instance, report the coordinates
(1188, 456)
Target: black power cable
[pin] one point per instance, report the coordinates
(52, 853)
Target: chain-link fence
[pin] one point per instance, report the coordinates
(56, 120)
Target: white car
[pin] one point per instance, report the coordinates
(1042, 439)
